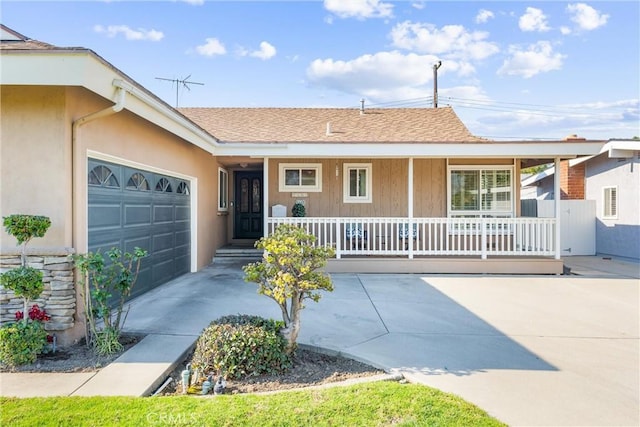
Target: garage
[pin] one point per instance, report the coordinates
(129, 207)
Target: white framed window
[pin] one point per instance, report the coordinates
(300, 177)
(357, 183)
(610, 202)
(223, 190)
(475, 191)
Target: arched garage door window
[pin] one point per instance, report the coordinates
(139, 182)
(103, 177)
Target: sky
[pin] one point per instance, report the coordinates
(510, 69)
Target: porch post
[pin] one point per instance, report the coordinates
(265, 196)
(410, 208)
(556, 198)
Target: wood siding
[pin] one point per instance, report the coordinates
(430, 188)
(390, 188)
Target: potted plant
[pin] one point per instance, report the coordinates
(298, 209)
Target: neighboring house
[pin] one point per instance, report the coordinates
(406, 190)
(611, 180)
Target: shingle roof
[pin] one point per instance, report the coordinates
(13, 40)
(385, 125)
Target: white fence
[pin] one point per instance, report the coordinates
(430, 236)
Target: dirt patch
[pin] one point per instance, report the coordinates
(310, 368)
(75, 358)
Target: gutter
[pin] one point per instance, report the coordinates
(161, 108)
(75, 131)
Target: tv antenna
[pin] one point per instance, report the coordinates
(180, 82)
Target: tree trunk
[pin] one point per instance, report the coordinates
(290, 334)
(292, 329)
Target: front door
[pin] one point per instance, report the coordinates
(248, 205)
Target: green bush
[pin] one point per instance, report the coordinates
(25, 282)
(241, 346)
(26, 227)
(298, 210)
(270, 325)
(21, 342)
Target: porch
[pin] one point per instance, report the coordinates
(435, 245)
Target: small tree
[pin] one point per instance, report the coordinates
(21, 342)
(100, 280)
(288, 274)
(24, 281)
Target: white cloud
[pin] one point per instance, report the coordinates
(452, 40)
(384, 76)
(597, 120)
(418, 5)
(483, 16)
(267, 51)
(565, 30)
(537, 58)
(194, 2)
(212, 47)
(129, 33)
(359, 9)
(533, 20)
(586, 17)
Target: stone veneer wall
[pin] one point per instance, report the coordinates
(59, 295)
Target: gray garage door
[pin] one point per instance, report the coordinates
(131, 207)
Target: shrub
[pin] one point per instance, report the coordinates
(26, 227)
(103, 277)
(25, 282)
(270, 325)
(241, 346)
(21, 342)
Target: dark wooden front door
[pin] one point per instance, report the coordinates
(248, 205)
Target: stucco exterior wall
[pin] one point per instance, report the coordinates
(44, 174)
(620, 236)
(35, 160)
(128, 139)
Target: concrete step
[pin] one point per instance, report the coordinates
(239, 253)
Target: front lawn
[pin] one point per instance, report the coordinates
(371, 404)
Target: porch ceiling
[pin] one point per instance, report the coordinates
(533, 151)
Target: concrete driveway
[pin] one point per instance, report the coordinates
(543, 350)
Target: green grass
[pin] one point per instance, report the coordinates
(371, 404)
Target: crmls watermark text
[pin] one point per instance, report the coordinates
(171, 418)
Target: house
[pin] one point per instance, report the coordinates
(111, 164)
(611, 180)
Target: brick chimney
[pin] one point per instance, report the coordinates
(572, 177)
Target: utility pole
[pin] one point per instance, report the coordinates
(435, 83)
(185, 82)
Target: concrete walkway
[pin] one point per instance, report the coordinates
(530, 350)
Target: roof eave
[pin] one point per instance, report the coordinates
(84, 68)
(538, 150)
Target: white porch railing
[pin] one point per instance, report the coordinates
(430, 236)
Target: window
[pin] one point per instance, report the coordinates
(300, 177)
(137, 181)
(183, 188)
(610, 204)
(357, 183)
(486, 191)
(164, 186)
(103, 176)
(223, 190)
